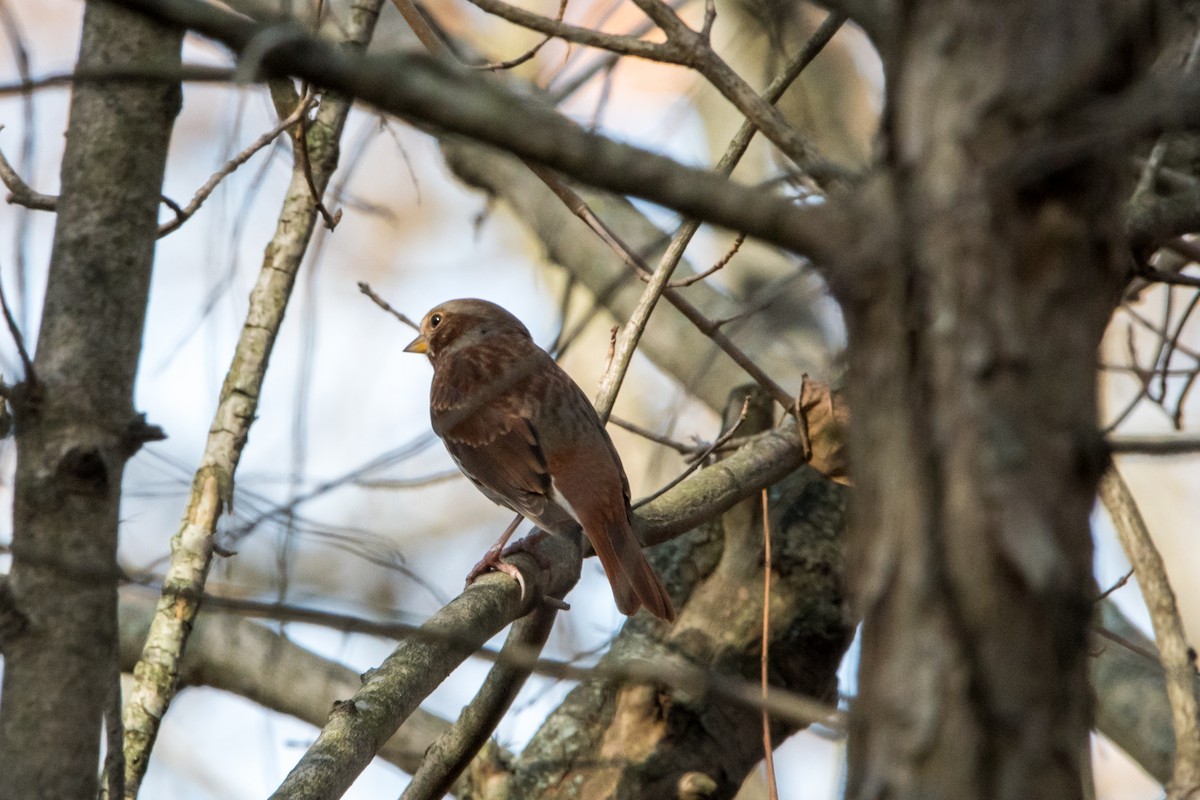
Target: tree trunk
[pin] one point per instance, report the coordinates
(972, 385)
(75, 421)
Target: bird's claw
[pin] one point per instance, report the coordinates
(492, 560)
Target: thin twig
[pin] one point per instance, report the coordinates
(300, 137)
(710, 17)
(781, 703)
(1125, 412)
(1178, 658)
(21, 193)
(768, 748)
(1168, 344)
(30, 374)
(366, 289)
(649, 435)
(182, 214)
(658, 281)
(697, 451)
(1124, 579)
(717, 267)
(708, 451)
(408, 483)
(194, 73)
(1133, 647)
(668, 52)
(606, 63)
(528, 54)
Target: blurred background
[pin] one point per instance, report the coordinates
(345, 500)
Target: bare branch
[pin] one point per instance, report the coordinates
(18, 339)
(141, 73)
(1171, 444)
(416, 86)
(20, 192)
(212, 488)
(658, 282)
(528, 54)
(449, 756)
(1132, 707)
(723, 439)
(393, 691)
(624, 45)
(783, 704)
(366, 289)
(765, 660)
(226, 653)
(689, 48)
(1179, 660)
(183, 214)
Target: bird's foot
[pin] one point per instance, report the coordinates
(492, 559)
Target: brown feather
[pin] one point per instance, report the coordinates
(526, 435)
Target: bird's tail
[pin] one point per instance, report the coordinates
(633, 580)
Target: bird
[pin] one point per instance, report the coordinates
(521, 429)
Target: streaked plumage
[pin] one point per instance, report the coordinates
(524, 433)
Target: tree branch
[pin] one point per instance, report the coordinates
(419, 665)
(212, 487)
(417, 86)
(1170, 444)
(185, 213)
(19, 192)
(390, 693)
(1178, 658)
(692, 49)
(607, 277)
(1132, 708)
(450, 755)
(658, 281)
(227, 653)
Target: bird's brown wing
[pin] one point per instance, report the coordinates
(528, 437)
(480, 407)
(587, 477)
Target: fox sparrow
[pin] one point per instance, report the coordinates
(527, 437)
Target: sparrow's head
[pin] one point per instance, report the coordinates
(457, 324)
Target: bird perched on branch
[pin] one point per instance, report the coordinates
(525, 434)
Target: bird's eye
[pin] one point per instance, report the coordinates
(435, 320)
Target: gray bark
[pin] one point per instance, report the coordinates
(76, 426)
(972, 389)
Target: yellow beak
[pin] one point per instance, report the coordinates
(418, 345)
